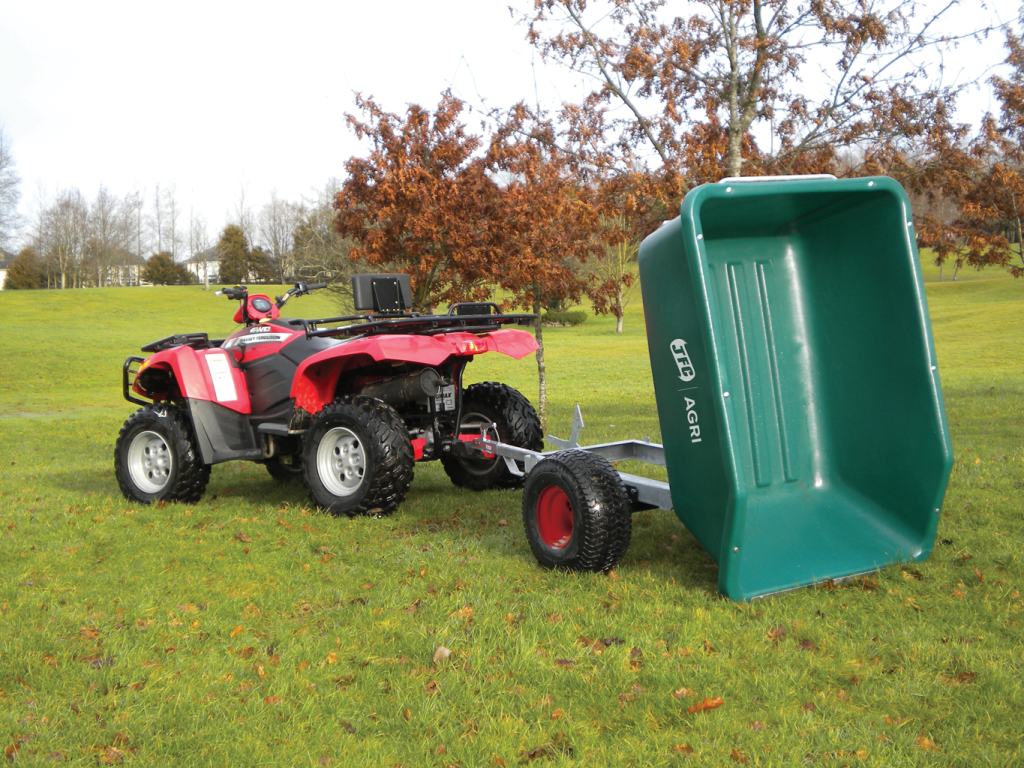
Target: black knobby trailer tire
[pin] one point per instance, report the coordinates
(600, 512)
(518, 425)
(187, 476)
(387, 457)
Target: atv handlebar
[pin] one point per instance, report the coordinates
(301, 288)
(241, 292)
(237, 293)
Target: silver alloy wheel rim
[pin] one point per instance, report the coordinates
(150, 462)
(341, 462)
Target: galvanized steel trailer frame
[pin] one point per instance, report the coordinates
(643, 492)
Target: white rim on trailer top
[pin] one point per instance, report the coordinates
(340, 462)
(150, 462)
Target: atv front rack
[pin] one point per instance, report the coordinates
(194, 340)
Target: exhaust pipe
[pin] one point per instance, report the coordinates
(420, 385)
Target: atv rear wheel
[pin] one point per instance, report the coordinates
(283, 472)
(156, 457)
(489, 403)
(358, 458)
(576, 512)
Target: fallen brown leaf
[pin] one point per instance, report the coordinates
(707, 704)
(963, 677)
(112, 756)
(685, 749)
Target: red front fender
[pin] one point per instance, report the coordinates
(316, 379)
(204, 374)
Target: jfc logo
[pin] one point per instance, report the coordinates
(682, 358)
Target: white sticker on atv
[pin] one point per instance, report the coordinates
(682, 358)
(445, 399)
(220, 372)
(277, 338)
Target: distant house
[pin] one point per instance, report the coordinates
(5, 261)
(203, 265)
(126, 270)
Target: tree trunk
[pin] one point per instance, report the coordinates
(618, 311)
(542, 398)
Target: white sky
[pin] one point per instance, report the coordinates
(218, 96)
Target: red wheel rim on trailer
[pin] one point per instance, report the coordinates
(554, 517)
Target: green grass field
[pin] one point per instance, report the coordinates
(249, 629)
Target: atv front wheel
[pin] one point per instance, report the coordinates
(358, 458)
(576, 512)
(156, 457)
(485, 404)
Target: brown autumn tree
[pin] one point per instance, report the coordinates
(992, 210)
(634, 205)
(421, 201)
(692, 88)
(546, 225)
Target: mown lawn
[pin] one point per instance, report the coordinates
(249, 629)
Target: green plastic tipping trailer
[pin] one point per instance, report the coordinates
(796, 381)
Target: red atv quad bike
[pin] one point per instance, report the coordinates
(346, 403)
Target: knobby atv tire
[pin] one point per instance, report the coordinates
(366, 425)
(587, 528)
(517, 423)
(185, 476)
(282, 472)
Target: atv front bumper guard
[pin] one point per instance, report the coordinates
(127, 376)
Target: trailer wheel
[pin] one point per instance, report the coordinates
(576, 512)
(489, 403)
(357, 458)
(156, 457)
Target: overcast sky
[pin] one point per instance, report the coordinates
(215, 97)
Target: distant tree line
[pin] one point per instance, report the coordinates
(74, 242)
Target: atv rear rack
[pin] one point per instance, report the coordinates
(464, 317)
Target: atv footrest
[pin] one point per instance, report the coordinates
(273, 429)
